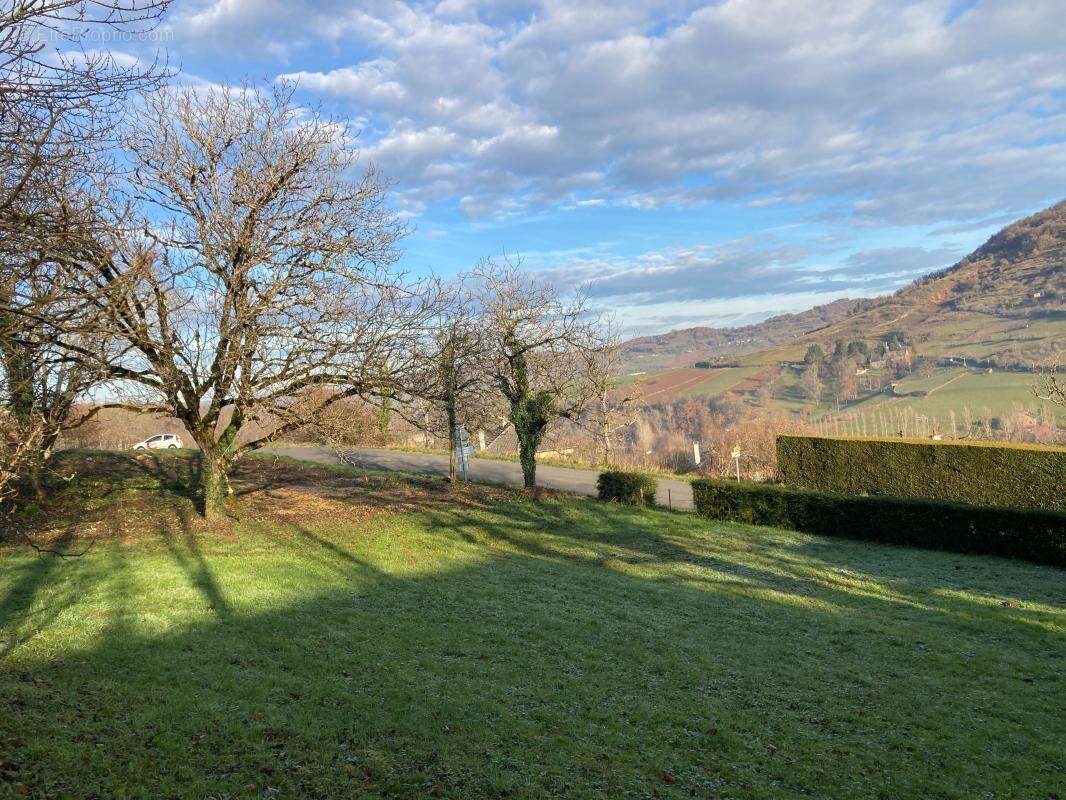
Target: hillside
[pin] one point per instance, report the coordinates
(973, 331)
(681, 347)
(1004, 303)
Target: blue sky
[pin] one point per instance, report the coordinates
(692, 163)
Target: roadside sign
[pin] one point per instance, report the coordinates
(464, 451)
(735, 455)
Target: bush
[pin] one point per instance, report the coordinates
(1038, 536)
(631, 488)
(985, 473)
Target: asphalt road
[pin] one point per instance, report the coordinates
(677, 494)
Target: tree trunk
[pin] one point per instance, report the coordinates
(385, 419)
(529, 438)
(528, 457)
(34, 478)
(605, 430)
(453, 439)
(215, 487)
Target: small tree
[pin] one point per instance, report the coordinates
(536, 339)
(450, 384)
(258, 272)
(612, 409)
(1050, 388)
(814, 355)
(842, 380)
(810, 384)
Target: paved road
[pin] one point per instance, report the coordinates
(677, 494)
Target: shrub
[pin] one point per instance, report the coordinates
(631, 488)
(981, 473)
(1033, 535)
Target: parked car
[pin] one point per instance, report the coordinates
(164, 441)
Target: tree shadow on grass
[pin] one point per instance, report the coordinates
(24, 613)
(842, 572)
(536, 671)
(184, 548)
(560, 648)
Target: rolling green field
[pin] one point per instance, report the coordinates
(360, 635)
(950, 390)
(957, 390)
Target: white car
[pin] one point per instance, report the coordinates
(164, 441)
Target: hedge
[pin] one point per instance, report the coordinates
(983, 474)
(631, 488)
(1033, 535)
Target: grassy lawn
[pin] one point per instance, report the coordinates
(362, 635)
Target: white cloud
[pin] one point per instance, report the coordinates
(881, 112)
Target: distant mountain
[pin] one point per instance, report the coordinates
(1003, 304)
(682, 347)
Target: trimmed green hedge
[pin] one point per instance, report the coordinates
(984, 474)
(631, 488)
(1033, 535)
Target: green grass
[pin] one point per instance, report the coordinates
(1000, 392)
(951, 390)
(361, 636)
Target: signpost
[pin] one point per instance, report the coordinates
(735, 455)
(464, 451)
(696, 453)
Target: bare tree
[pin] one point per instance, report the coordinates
(342, 425)
(258, 272)
(58, 109)
(612, 409)
(536, 339)
(450, 387)
(1049, 387)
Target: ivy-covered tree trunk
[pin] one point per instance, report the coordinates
(527, 457)
(216, 460)
(450, 390)
(530, 413)
(530, 417)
